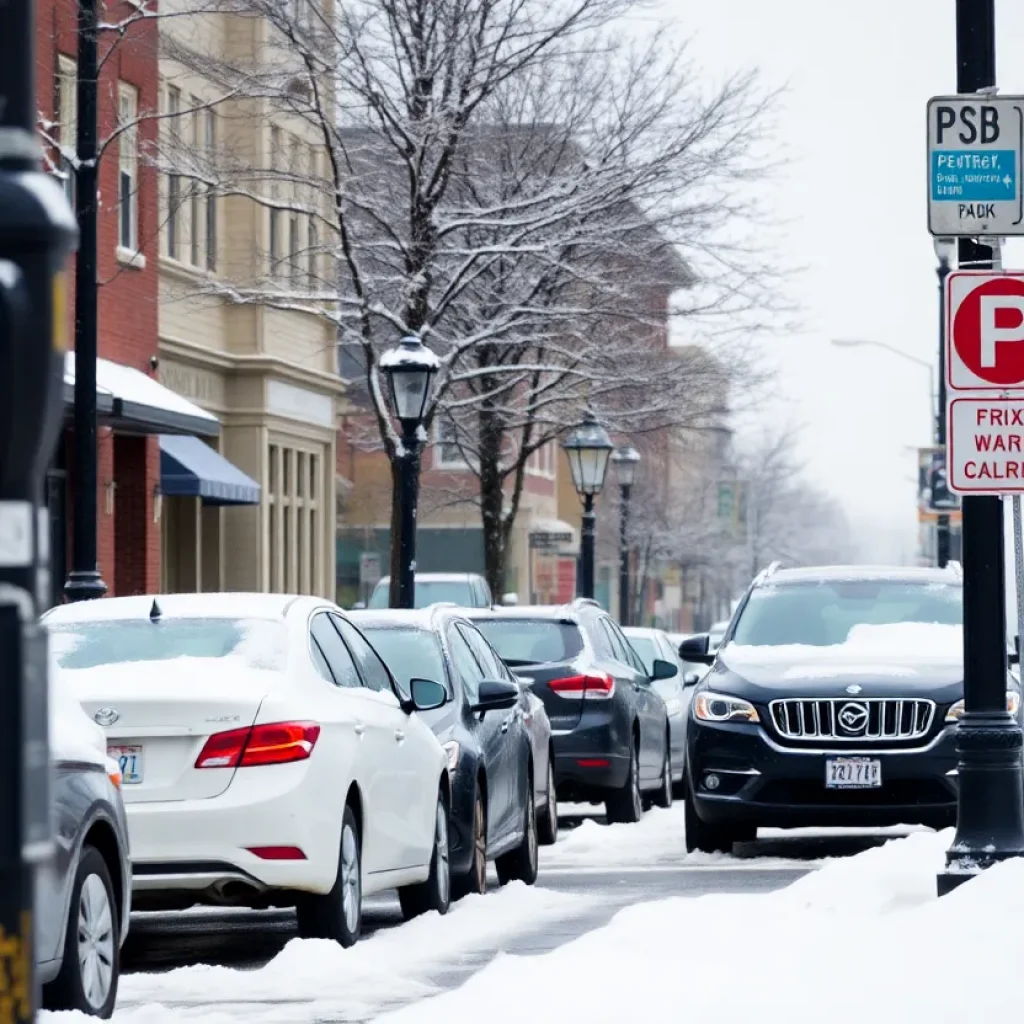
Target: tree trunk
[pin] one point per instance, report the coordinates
(492, 502)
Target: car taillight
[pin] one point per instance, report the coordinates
(276, 743)
(594, 686)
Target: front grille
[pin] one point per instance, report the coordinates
(852, 720)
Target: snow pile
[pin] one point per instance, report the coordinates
(861, 939)
(318, 980)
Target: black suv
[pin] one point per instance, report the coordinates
(831, 701)
(609, 725)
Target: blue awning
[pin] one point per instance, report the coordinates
(189, 468)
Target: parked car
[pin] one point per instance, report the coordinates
(545, 797)
(269, 758)
(652, 644)
(465, 589)
(490, 755)
(83, 891)
(610, 725)
(831, 701)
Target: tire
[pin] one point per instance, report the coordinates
(547, 822)
(435, 892)
(475, 879)
(91, 967)
(625, 806)
(338, 915)
(520, 864)
(662, 797)
(704, 838)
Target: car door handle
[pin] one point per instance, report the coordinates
(504, 726)
(359, 728)
(399, 736)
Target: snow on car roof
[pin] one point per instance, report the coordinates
(857, 573)
(420, 618)
(203, 606)
(641, 631)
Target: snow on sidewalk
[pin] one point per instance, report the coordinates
(318, 980)
(864, 938)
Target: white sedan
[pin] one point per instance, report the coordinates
(269, 758)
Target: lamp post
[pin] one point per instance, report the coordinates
(625, 461)
(588, 449)
(945, 250)
(410, 368)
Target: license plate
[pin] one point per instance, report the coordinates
(130, 760)
(853, 773)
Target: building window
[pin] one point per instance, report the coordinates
(211, 197)
(297, 164)
(313, 245)
(294, 498)
(173, 179)
(128, 166)
(542, 461)
(66, 134)
(275, 214)
(447, 453)
(194, 204)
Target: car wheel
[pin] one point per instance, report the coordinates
(663, 796)
(625, 806)
(700, 836)
(475, 879)
(520, 864)
(89, 972)
(547, 823)
(338, 915)
(435, 892)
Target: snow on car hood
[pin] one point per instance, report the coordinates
(910, 650)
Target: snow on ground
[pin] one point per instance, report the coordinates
(862, 939)
(318, 980)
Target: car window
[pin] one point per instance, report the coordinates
(371, 668)
(489, 661)
(626, 653)
(531, 641)
(602, 639)
(618, 648)
(319, 660)
(647, 648)
(337, 655)
(467, 668)
(410, 653)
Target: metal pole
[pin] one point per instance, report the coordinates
(942, 524)
(587, 548)
(84, 581)
(37, 233)
(1018, 566)
(990, 819)
(410, 481)
(625, 612)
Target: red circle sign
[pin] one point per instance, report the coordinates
(989, 335)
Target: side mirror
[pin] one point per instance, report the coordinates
(691, 679)
(662, 669)
(696, 649)
(1014, 657)
(509, 600)
(426, 695)
(496, 695)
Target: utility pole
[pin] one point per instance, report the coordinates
(37, 233)
(990, 818)
(84, 581)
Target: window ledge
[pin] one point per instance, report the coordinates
(131, 258)
(182, 270)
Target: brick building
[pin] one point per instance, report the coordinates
(133, 408)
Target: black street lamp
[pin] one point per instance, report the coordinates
(945, 250)
(588, 449)
(625, 461)
(410, 368)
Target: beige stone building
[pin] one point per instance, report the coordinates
(259, 514)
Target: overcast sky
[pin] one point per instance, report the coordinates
(853, 130)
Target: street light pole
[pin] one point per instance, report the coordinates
(944, 249)
(587, 535)
(37, 233)
(410, 368)
(990, 809)
(84, 582)
(625, 461)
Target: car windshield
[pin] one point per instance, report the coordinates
(258, 643)
(831, 613)
(429, 592)
(645, 647)
(409, 652)
(532, 641)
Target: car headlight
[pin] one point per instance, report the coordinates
(451, 748)
(955, 713)
(718, 707)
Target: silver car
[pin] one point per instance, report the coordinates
(83, 892)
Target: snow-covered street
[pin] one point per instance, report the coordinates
(623, 894)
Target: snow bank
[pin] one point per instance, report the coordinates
(861, 939)
(318, 980)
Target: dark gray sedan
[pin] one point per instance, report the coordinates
(83, 892)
